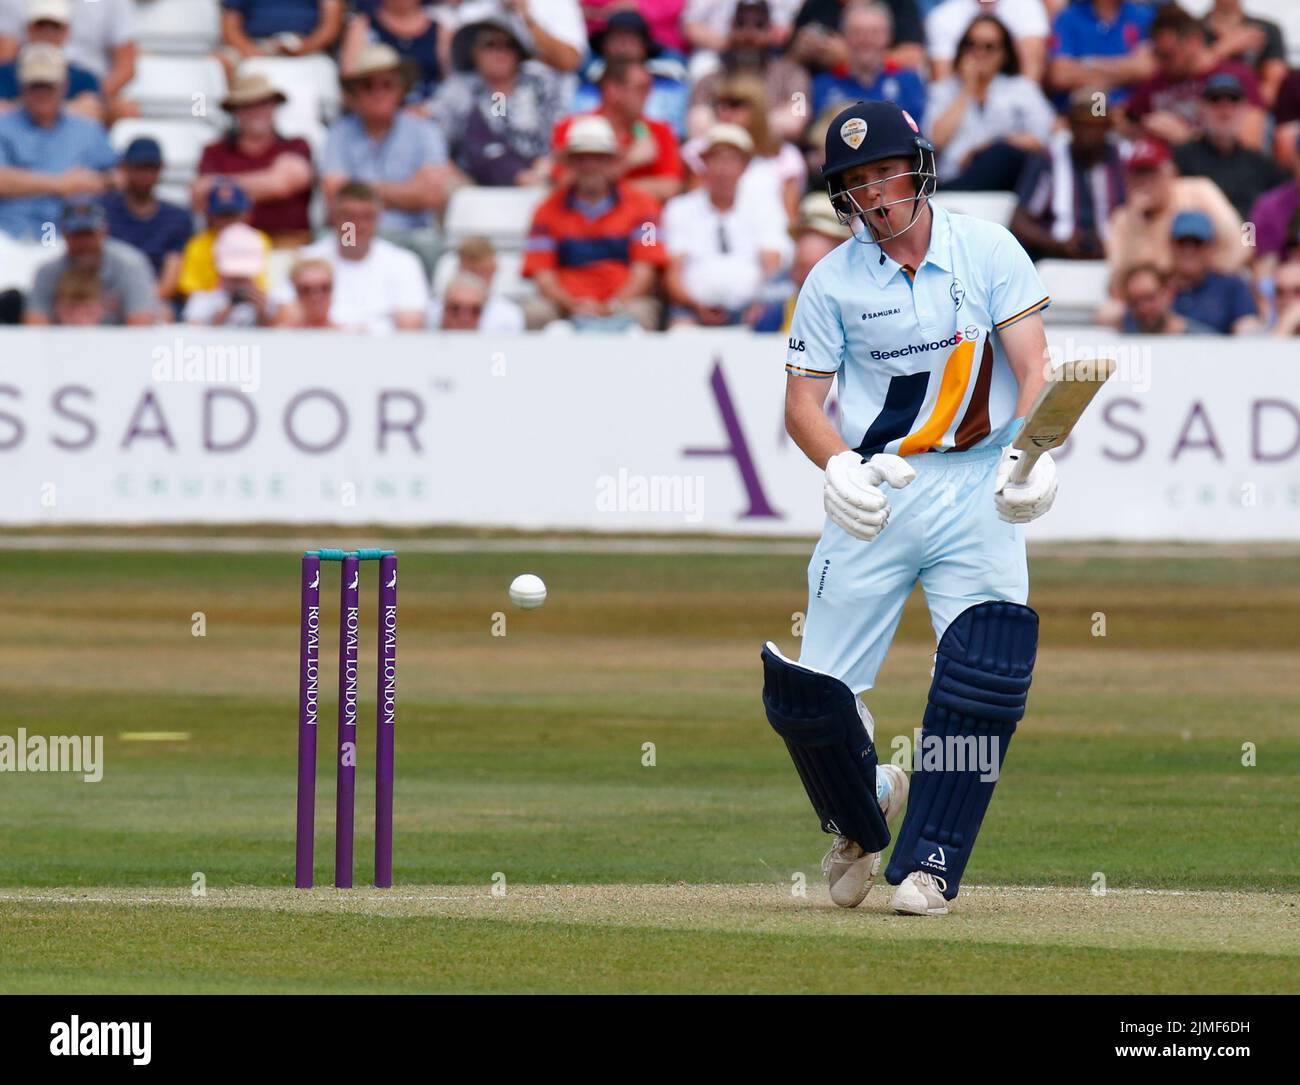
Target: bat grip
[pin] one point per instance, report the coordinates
(1028, 457)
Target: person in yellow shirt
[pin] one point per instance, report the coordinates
(227, 204)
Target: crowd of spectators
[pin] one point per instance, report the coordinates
(674, 146)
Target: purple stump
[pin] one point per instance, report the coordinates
(345, 790)
(385, 717)
(308, 698)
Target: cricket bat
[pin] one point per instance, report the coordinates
(1059, 406)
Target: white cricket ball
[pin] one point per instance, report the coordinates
(527, 591)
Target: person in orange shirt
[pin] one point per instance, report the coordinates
(593, 249)
(650, 158)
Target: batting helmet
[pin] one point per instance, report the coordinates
(869, 132)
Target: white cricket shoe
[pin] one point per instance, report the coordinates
(920, 893)
(850, 870)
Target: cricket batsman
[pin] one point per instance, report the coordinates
(932, 323)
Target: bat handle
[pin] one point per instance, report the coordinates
(1028, 457)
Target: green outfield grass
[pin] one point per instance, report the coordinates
(522, 757)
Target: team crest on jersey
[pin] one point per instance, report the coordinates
(853, 131)
(957, 292)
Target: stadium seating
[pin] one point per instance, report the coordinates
(19, 261)
(501, 214)
(180, 27)
(310, 83)
(994, 206)
(171, 86)
(1076, 287)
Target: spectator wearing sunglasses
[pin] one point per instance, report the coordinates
(477, 258)
(312, 279)
(1243, 173)
(1286, 296)
(986, 119)
(1223, 303)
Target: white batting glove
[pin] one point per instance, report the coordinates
(853, 497)
(1028, 500)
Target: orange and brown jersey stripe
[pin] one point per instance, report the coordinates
(1036, 307)
(975, 425)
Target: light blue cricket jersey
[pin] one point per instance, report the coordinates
(919, 367)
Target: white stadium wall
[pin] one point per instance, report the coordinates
(1193, 439)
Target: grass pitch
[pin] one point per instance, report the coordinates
(524, 764)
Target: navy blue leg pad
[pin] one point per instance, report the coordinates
(817, 716)
(981, 683)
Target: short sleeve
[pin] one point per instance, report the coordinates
(1242, 301)
(816, 344)
(940, 36)
(138, 292)
(101, 155)
(1015, 290)
(410, 290)
(40, 299)
(433, 145)
(334, 159)
(122, 26)
(539, 249)
(673, 226)
(1064, 42)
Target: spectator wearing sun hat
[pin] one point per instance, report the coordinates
(274, 171)
(593, 249)
(403, 157)
(47, 154)
(49, 22)
(227, 204)
(721, 249)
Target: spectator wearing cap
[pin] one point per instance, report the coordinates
(593, 249)
(1067, 193)
(407, 27)
(49, 22)
(125, 278)
(275, 172)
(1286, 298)
(284, 28)
(499, 107)
(662, 17)
(721, 249)
(476, 257)
(227, 204)
(708, 24)
(869, 75)
(1275, 216)
(1140, 230)
(819, 45)
(402, 157)
(237, 301)
(750, 48)
(47, 154)
(379, 287)
(1168, 105)
(1256, 43)
(774, 179)
(816, 231)
(1244, 174)
(1147, 306)
(78, 300)
(1221, 302)
(312, 281)
(986, 119)
(649, 156)
(1025, 19)
(1101, 44)
(159, 229)
(627, 37)
(101, 40)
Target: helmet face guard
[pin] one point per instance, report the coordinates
(850, 210)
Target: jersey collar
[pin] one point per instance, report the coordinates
(939, 253)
